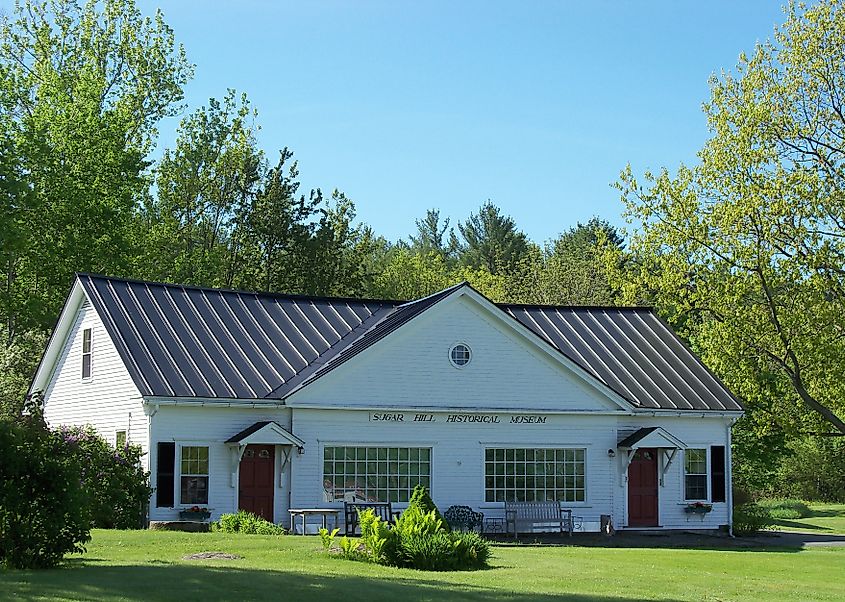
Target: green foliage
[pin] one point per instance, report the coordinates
(44, 511)
(116, 484)
(785, 508)
(491, 240)
(327, 538)
(351, 550)
(751, 518)
(743, 252)
(419, 506)
(814, 469)
(246, 523)
(83, 86)
(19, 358)
(420, 539)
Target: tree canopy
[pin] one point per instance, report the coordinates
(746, 248)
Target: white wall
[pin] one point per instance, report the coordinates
(457, 453)
(411, 367)
(109, 400)
(204, 425)
(695, 432)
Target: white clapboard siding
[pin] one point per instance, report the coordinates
(212, 426)
(457, 453)
(411, 367)
(109, 401)
(695, 432)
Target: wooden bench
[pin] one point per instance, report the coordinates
(383, 510)
(524, 517)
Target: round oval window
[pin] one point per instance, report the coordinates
(460, 355)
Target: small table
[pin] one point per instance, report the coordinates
(306, 512)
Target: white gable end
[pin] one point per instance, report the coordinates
(411, 368)
(108, 400)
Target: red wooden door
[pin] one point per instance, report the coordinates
(256, 483)
(642, 489)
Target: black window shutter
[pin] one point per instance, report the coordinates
(717, 473)
(164, 474)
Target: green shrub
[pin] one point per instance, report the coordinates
(421, 504)
(472, 550)
(117, 485)
(419, 540)
(327, 537)
(785, 508)
(44, 510)
(246, 523)
(751, 518)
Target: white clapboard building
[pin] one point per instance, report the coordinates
(268, 402)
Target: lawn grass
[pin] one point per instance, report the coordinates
(823, 518)
(143, 565)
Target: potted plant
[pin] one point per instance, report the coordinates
(194, 513)
(698, 508)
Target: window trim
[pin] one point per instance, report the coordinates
(706, 474)
(177, 484)
(378, 445)
(570, 447)
(470, 354)
(89, 353)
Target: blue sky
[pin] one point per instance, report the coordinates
(409, 105)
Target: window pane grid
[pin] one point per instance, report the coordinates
(383, 474)
(529, 475)
(695, 474)
(86, 353)
(194, 475)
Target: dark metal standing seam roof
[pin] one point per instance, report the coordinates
(180, 341)
(634, 352)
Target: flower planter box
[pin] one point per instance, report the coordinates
(704, 509)
(193, 515)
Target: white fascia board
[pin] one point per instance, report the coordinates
(217, 402)
(734, 414)
(270, 434)
(454, 410)
(544, 346)
(58, 338)
(656, 438)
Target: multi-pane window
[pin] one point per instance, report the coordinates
(534, 475)
(695, 474)
(460, 355)
(120, 439)
(86, 353)
(378, 474)
(194, 475)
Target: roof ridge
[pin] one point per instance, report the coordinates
(235, 291)
(574, 307)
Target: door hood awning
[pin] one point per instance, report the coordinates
(653, 436)
(265, 433)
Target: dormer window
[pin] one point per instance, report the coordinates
(86, 353)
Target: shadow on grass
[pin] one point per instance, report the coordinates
(766, 542)
(181, 582)
(796, 524)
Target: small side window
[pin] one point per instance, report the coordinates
(120, 439)
(86, 353)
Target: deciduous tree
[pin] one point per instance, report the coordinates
(747, 247)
